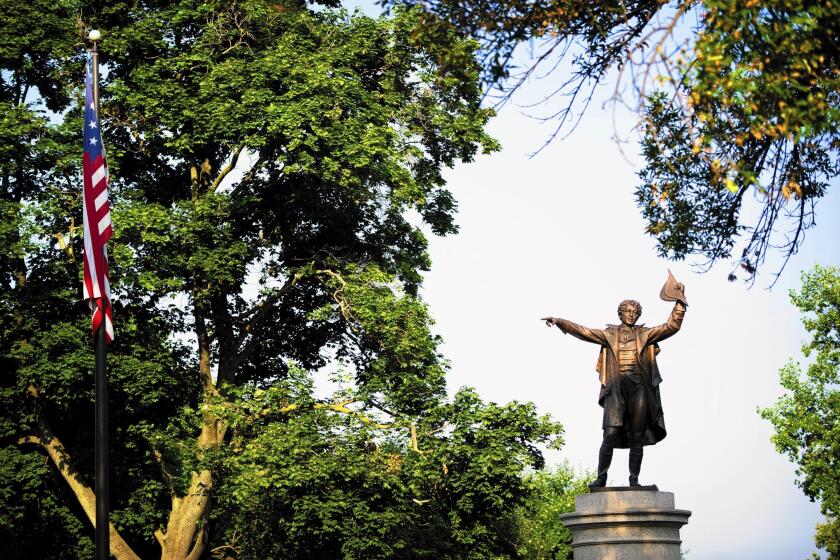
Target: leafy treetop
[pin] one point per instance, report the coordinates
(806, 419)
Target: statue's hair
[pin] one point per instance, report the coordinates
(630, 303)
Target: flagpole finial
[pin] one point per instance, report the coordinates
(94, 35)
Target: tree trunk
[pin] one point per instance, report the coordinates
(186, 531)
(186, 534)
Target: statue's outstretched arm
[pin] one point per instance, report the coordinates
(595, 336)
(671, 327)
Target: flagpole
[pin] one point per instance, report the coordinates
(102, 486)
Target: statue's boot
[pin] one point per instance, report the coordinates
(636, 454)
(604, 459)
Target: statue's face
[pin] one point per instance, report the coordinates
(629, 315)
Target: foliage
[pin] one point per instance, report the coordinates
(806, 419)
(341, 485)
(542, 536)
(761, 99)
(737, 101)
(271, 165)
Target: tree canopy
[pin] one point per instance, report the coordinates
(738, 104)
(273, 165)
(806, 419)
(542, 535)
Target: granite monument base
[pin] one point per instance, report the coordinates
(626, 524)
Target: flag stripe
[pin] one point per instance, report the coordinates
(101, 199)
(97, 176)
(104, 223)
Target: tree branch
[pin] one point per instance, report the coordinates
(247, 178)
(204, 370)
(258, 314)
(227, 347)
(167, 476)
(224, 171)
(48, 441)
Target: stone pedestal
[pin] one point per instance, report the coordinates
(617, 524)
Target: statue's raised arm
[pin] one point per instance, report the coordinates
(668, 328)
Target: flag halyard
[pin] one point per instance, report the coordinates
(96, 213)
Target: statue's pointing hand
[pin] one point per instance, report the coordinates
(550, 321)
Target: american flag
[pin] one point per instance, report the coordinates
(97, 214)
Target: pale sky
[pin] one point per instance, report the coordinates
(560, 235)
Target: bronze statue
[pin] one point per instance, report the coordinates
(629, 378)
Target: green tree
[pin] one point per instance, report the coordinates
(541, 534)
(737, 101)
(806, 419)
(272, 164)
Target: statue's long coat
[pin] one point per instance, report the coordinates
(607, 368)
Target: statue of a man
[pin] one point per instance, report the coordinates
(629, 379)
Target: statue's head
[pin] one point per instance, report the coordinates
(629, 311)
